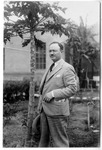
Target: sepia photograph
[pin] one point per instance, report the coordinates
(51, 74)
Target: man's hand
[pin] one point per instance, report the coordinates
(48, 97)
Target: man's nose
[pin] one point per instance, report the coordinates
(51, 52)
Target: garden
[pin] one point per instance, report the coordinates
(84, 53)
(83, 124)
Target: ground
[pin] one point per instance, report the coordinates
(81, 133)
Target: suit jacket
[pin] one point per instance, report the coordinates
(62, 81)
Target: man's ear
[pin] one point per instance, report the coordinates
(61, 50)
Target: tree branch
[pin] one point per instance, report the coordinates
(40, 21)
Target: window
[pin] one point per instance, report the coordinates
(41, 57)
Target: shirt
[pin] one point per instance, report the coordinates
(56, 63)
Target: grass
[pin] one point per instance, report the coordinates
(14, 131)
(79, 133)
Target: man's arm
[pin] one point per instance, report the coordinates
(70, 83)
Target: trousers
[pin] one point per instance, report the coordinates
(56, 127)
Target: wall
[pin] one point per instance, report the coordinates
(17, 58)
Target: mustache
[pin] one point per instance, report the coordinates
(51, 55)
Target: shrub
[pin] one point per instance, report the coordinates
(8, 111)
(14, 91)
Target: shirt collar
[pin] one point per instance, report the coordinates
(57, 62)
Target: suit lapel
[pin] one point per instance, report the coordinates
(43, 80)
(55, 70)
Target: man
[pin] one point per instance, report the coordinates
(58, 84)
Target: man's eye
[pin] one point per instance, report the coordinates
(52, 51)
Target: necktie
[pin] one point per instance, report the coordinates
(52, 66)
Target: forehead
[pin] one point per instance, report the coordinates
(54, 46)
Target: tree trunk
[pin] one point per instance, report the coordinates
(31, 92)
(4, 59)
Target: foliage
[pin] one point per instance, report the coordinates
(82, 49)
(14, 91)
(33, 16)
(7, 110)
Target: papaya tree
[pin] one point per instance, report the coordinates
(32, 17)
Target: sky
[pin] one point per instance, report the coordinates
(89, 10)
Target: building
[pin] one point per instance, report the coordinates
(17, 58)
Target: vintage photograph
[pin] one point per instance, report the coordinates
(51, 74)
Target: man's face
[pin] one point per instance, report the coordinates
(55, 52)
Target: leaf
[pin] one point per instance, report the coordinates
(85, 56)
(26, 42)
(20, 34)
(36, 16)
(38, 42)
(42, 32)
